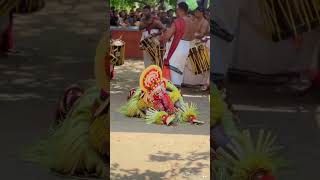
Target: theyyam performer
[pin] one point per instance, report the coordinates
(152, 27)
(175, 58)
(158, 101)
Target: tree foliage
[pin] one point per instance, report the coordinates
(129, 4)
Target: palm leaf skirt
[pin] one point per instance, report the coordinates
(75, 147)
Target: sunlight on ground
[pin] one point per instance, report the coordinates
(150, 152)
(159, 158)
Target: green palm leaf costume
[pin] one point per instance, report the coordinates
(79, 144)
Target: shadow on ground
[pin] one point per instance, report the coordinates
(190, 169)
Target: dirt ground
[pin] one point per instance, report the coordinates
(140, 151)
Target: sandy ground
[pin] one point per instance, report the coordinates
(295, 120)
(59, 45)
(140, 151)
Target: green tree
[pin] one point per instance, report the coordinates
(128, 4)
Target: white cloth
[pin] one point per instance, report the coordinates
(146, 56)
(190, 78)
(178, 61)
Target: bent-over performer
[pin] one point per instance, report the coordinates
(182, 32)
(152, 26)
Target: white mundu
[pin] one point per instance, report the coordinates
(190, 78)
(146, 56)
(178, 61)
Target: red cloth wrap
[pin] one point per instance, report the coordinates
(179, 32)
(163, 103)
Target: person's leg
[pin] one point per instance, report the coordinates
(206, 85)
(112, 73)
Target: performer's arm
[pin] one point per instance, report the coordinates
(168, 34)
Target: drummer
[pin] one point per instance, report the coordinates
(202, 34)
(151, 26)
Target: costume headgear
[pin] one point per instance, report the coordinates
(151, 78)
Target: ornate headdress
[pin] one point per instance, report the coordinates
(151, 79)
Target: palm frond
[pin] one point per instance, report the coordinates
(131, 108)
(186, 111)
(247, 157)
(154, 116)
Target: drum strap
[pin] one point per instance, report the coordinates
(175, 70)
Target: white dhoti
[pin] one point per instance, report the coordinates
(178, 61)
(146, 56)
(200, 79)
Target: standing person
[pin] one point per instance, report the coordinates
(123, 21)
(182, 30)
(114, 20)
(131, 18)
(151, 26)
(164, 18)
(201, 34)
(170, 16)
(137, 15)
(6, 36)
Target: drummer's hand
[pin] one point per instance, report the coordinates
(155, 34)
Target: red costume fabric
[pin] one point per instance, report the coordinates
(163, 103)
(6, 37)
(179, 25)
